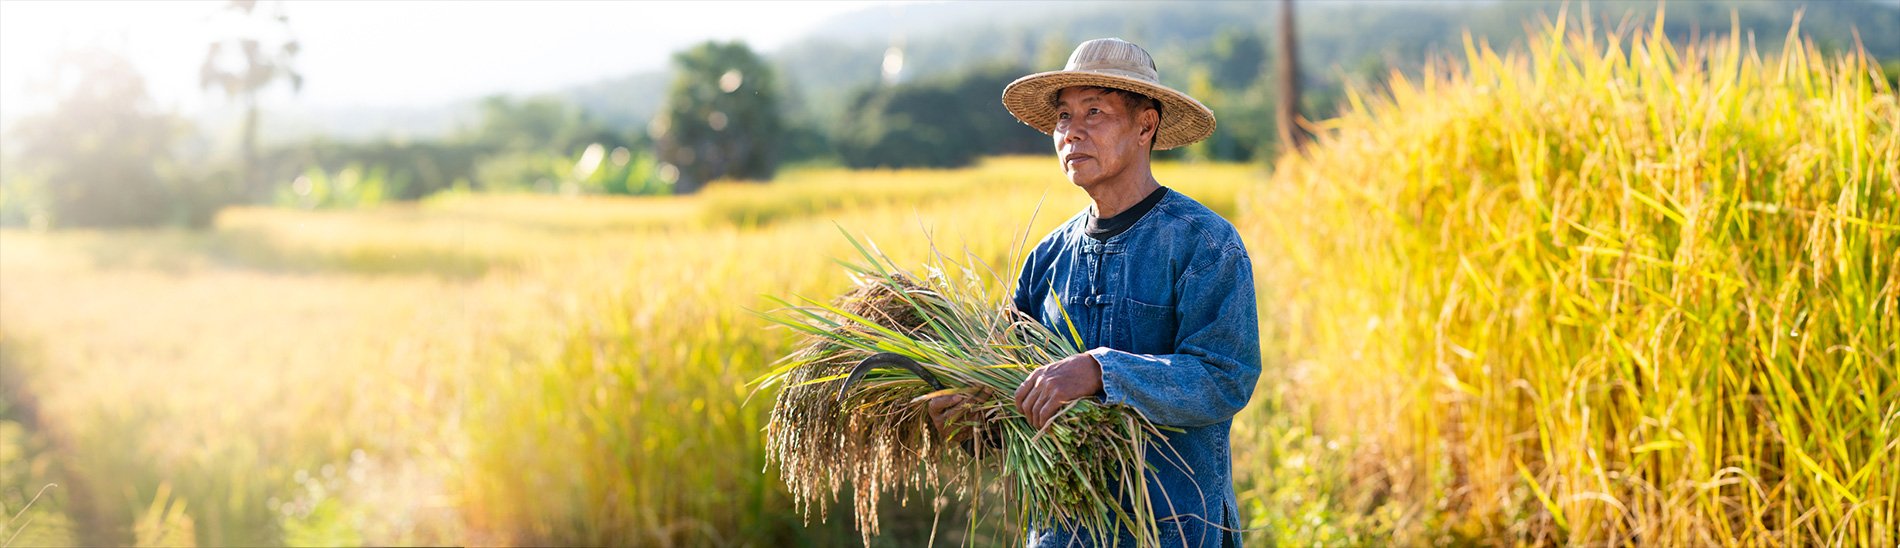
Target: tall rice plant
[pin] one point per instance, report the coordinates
(1610, 290)
(875, 436)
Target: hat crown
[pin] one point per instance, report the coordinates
(1114, 55)
(1115, 64)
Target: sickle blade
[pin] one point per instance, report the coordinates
(888, 359)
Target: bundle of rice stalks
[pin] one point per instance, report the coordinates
(851, 407)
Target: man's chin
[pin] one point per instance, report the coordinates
(1081, 179)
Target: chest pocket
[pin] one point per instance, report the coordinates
(1148, 328)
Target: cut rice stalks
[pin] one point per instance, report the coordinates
(875, 435)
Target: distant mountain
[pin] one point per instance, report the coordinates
(346, 123)
(624, 102)
(846, 53)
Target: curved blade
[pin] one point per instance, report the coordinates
(888, 359)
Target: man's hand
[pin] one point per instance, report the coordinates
(1052, 386)
(947, 410)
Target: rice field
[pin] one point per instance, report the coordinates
(471, 369)
(1605, 289)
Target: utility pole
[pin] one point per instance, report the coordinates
(1292, 137)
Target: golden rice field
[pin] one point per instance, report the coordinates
(1604, 290)
(1609, 290)
(469, 369)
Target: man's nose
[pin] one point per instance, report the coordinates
(1068, 135)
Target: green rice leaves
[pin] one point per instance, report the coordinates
(877, 437)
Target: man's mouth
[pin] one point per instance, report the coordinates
(1074, 158)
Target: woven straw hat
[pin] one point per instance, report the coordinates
(1110, 63)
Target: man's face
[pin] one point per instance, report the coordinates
(1096, 135)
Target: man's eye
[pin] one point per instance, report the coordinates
(1095, 111)
(1062, 116)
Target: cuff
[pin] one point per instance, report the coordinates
(1111, 362)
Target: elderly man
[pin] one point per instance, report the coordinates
(1159, 287)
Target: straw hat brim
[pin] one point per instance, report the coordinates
(1184, 121)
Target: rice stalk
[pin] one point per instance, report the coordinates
(876, 436)
(1609, 290)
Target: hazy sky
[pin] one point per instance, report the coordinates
(397, 53)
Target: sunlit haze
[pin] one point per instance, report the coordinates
(395, 53)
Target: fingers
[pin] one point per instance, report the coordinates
(940, 403)
(1028, 386)
(945, 410)
(1029, 397)
(1040, 396)
(1046, 411)
(1031, 402)
(1041, 403)
(1050, 387)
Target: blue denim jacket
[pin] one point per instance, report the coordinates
(1168, 309)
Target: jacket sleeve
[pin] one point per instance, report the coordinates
(1211, 375)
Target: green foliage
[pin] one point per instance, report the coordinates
(23, 201)
(423, 167)
(623, 172)
(102, 156)
(1238, 58)
(537, 123)
(721, 118)
(516, 142)
(351, 187)
(593, 170)
(327, 522)
(807, 144)
(532, 171)
(1245, 117)
(946, 122)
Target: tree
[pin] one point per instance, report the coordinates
(99, 152)
(1238, 58)
(242, 65)
(721, 119)
(1226, 76)
(937, 122)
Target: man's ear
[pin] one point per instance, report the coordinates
(1151, 123)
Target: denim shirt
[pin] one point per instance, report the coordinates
(1168, 309)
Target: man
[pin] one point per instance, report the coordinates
(1159, 287)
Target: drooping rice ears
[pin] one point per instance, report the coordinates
(1610, 290)
(875, 436)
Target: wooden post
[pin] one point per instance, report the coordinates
(1292, 137)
